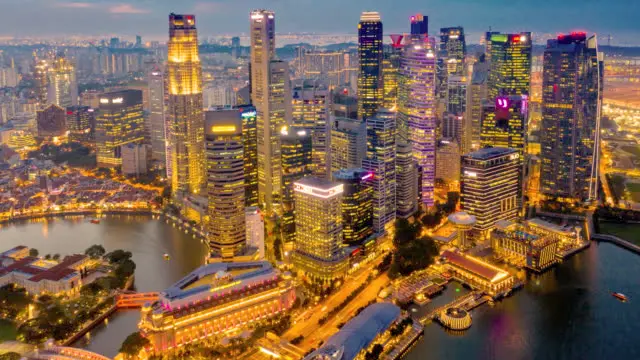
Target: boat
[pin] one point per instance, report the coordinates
(166, 256)
(94, 221)
(619, 296)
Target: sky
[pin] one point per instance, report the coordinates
(28, 18)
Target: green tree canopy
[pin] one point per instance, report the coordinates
(95, 251)
(133, 344)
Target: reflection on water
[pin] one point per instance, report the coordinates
(147, 239)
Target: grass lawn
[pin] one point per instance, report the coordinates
(635, 150)
(8, 330)
(634, 190)
(628, 232)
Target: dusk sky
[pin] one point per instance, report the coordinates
(215, 17)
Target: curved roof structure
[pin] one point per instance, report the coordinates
(358, 333)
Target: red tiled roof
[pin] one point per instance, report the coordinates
(476, 267)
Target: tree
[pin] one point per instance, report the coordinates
(95, 251)
(33, 252)
(56, 257)
(118, 256)
(133, 344)
(166, 192)
(10, 356)
(47, 257)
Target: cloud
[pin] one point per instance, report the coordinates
(74, 5)
(127, 9)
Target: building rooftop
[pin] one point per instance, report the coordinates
(462, 218)
(475, 266)
(318, 186)
(349, 174)
(489, 153)
(358, 333)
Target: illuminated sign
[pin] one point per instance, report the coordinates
(302, 133)
(117, 100)
(454, 37)
(514, 156)
(249, 114)
(257, 16)
(366, 177)
(471, 174)
(223, 129)
(104, 101)
(317, 192)
(502, 103)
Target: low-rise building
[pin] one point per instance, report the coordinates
(519, 245)
(478, 274)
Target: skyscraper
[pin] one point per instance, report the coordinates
(391, 71)
(419, 25)
(63, 87)
(158, 133)
(417, 109)
(491, 187)
(370, 78)
(504, 123)
(80, 120)
(51, 121)
(318, 251)
(381, 161)
(250, 140)
(296, 164)
(407, 181)
(476, 94)
(510, 61)
(120, 122)
(184, 113)
(451, 53)
(41, 80)
(357, 208)
(348, 143)
(572, 97)
(225, 182)
(271, 95)
(310, 108)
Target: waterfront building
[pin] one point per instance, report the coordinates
(296, 164)
(568, 236)
(491, 187)
(184, 110)
(357, 206)
(478, 274)
(63, 87)
(120, 122)
(310, 102)
(157, 120)
(407, 181)
(51, 122)
(448, 163)
(519, 246)
(225, 182)
(452, 51)
(504, 123)
(381, 161)
(255, 230)
(571, 109)
(318, 253)
(417, 110)
(250, 140)
(370, 77)
(214, 300)
(510, 64)
(476, 95)
(354, 338)
(348, 143)
(134, 159)
(80, 121)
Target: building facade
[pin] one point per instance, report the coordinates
(157, 121)
(62, 83)
(476, 95)
(505, 122)
(510, 64)
(521, 247)
(134, 159)
(250, 140)
(120, 122)
(51, 122)
(357, 206)
(452, 51)
(370, 77)
(80, 123)
(348, 143)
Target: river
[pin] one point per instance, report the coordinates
(566, 313)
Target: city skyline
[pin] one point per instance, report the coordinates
(131, 17)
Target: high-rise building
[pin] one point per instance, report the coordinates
(510, 65)
(271, 95)
(184, 111)
(370, 78)
(235, 47)
(448, 162)
(134, 159)
(331, 67)
(344, 105)
(79, 121)
(451, 53)
(41, 80)
(391, 71)
(120, 121)
(491, 187)
(250, 140)
(571, 103)
(417, 110)
(348, 143)
(476, 94)
(381, 161)
(225, 182)
(157, 121)
(357, 206)
(255, 230)
(63, 87)
(504, 123)
(310, 108)
(456, 94)
(407, 181)
(51, 122)
(419, 24)
(296, 164)
(318, 251)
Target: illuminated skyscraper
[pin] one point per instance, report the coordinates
(476, 94)
(407, 181)
(271, 95)
(348, 143)
(419, 25)
(225, 182)
(357, 207)
(490, 186)
(391, 71)
(510, 62)
(296, 164)
(504, 123)
(310, 109)
(572, 97)
(417, 109)
(120, 122)
(451, 54)
(63, 87)
(156, 84)
(370, 78)
(250, 140)
(184, 112)
(318, 251)
(381, 161)
(41, 80)
(80, 120)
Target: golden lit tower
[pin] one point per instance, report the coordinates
(184, 113)
(370, 78)
(63, 87)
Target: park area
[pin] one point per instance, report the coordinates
(628, 232)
